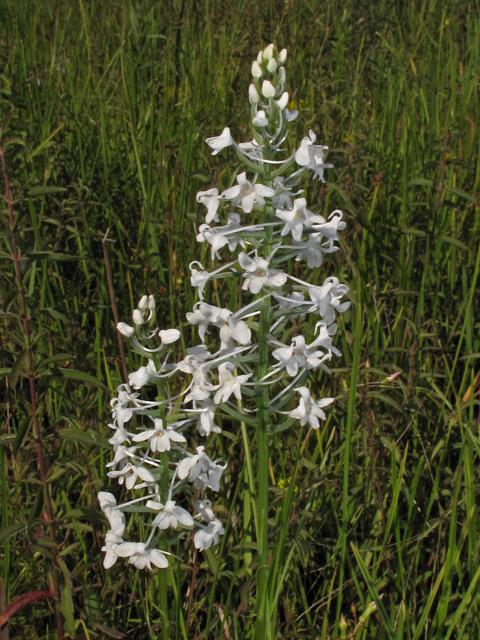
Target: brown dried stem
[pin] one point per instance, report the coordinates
(33, 394)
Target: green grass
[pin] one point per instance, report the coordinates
(112, 103)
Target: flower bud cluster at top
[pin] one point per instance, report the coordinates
(267, 227)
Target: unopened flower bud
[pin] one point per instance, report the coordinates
(260, 120)
(260, 57)
(137, 316)
(268, 52)
(268, 89)
(151, 303)
(283, 100)
(125, 329)
(282, 74)
(272, 65)
(253, 94)
(143, 304)
(282, 56)
(256, 70)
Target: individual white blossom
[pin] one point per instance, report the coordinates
(141, 557)
(204, 538)
(229, 383)
(160, 437)
(258, 273)
(170, 515)
(129, 475)
(260, 120)
(116, 518)
(308, 410)
(311, 155)
(247, 194)
(206, 417)
(112, 542)
(282, 101)
(200, 470)
(211, 200)
(220, 142)
(141, 377)
(298, 218)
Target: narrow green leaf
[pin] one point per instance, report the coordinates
(44, 191)
(460, 193)
(374, 594)
(9, 532)
(85, 437)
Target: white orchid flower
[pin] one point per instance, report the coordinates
(298, 218)
(116, 518)
(211, 200)
(170, 515)
(308, 410)
(311, 155)
(258, 274)
(203, 315)
(160, 437)
(206, 417)
(204, 508)
(220, 142)
(129, 475)
(229, 383)
(292, 357)
(141, 377)
(204, 538)
(326, 299)
(260, 120)
(330, 229)
(200, 470)
(112, 542)
(141, 557)
(247, 194)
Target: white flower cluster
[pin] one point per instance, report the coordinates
(223, 371)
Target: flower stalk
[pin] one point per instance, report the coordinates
(241, 367)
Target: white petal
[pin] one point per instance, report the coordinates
(157, 558)
(169, 335)
(126, 549)
(145, 435)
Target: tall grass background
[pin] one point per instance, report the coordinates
(109, 104)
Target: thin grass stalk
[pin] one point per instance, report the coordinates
(114, 304)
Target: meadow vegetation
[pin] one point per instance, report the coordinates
(104, 111)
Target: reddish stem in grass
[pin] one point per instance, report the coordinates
(33, 394)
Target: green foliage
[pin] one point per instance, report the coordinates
(108, 105)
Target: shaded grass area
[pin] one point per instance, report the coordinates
(111, 103)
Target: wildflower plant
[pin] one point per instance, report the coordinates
(243, 367)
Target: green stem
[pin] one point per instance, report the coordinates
(263, 446)
(164, 488)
